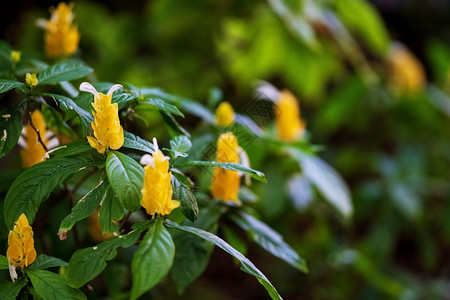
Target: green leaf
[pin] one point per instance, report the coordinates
(326, 179)
(4, 265)
(161, 105)
(246, 265)
(74, 148)
(173, 126)
(45, 262)
(85, 264)
(153, 259)
(110, 210)
(258, 175)
(11, 127)
(180, 145)
(10, 290)
(35, 184)
(51, 286)
(126, 177)
(6, 85)
(187, 200)
(85, 206)
(134, 142)
(270, 240)
(193, 253)
(55, 122)
(63, 71)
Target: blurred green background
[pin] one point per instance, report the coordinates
(393, 149)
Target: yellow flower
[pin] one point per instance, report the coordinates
(289, 125)
(15, 57)
(406, 73)
(33, 151)
(94, 229)
(31, 79)
(106, 124)
(157, 191)
(224, 114)
(21, 252)
(225, 183)
(61, 36)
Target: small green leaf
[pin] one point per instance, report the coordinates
(173, 126)
(10, 290)
(85, 206)
(6, 85)
(270, 240)
(180, 145)
(153, 259)
(126, 177)
(55, 122)
(3, 263)
(63, 71)
(45, 262)
(74, 148)
(134, 142)
(85, 264)
(34, 185)
(11, 127)
(110, 210)
(246, 265)
(161, 105)
(258, 175)
(187, 200)
(51, 286)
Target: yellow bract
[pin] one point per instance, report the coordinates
(157, 191)
(406, 73)
(225, 183)
(61, 36)
(33, 151)
(15, 56)
(289, 125)
(21, 252)
(224, 114)
(106, 124)
(31, 79)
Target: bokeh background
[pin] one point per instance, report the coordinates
(390, 143)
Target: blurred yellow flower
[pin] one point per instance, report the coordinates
(106, 124)
(61, 36)
(224, 115)
(21, 252)
(406, 72)
(289, 125)
(33, 151)
(94, 229)
(15, 56)
(31, 79)
(157, 191)
(225, 183)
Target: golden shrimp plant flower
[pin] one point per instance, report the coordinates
(61, 36)
(31, 79)
(33, 150)
(106, 125)
(290, 126)
(157, 191)
(224, 115)
(225, 183)
(21, 252)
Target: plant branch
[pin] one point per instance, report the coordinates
(37, 132)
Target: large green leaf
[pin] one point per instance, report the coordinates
(51, 286)
(270, 240)
(63, 71)
(134, 142)
(10, 290)
(153, 259)
(11, 127)
(246, 265)
(35, 184)
(172, 125)
(188, 203)
(4, 265)
(258, 175)
(85, 206)
(126, 177)
(85, 264)
(74, 148)
(110, 210)
(161, 105)
(44, 262)
(54, 120)
(6, 85)
(193, 253)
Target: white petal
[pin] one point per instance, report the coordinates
(12, 272)
(155, 143)
(22, 143)
(266, 90)
(41, 23)
(148, 160)
(52, 143)
(245, 161)
(114, 88)
(87, 87)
